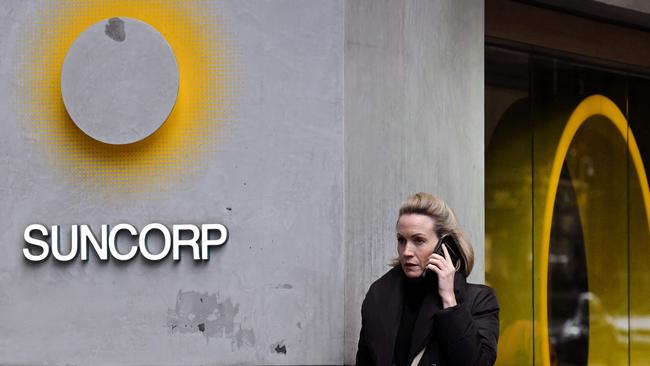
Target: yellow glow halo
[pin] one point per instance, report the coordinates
(207, 61)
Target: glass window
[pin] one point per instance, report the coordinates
(567, 210)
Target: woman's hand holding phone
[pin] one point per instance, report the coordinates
(445, 269)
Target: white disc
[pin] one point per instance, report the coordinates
(119, 81)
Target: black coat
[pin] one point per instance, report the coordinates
(465, 334)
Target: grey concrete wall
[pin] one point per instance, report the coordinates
(307, 188)
(413, 122)
(272, 295)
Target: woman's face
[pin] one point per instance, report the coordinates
(416, 240)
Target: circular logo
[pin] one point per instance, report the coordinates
(119, 81)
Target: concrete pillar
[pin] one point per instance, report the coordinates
(413, 122)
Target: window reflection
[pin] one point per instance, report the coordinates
(568, 288)
(592, 307)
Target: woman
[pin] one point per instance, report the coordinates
(422, 311)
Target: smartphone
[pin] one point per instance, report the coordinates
(452, 249)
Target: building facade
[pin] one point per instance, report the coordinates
(301, 126)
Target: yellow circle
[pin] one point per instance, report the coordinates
(207, 62)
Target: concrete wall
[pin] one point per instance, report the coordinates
(307, 188)
(272, 295)
(413, 122)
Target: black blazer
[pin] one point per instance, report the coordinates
(465, 334)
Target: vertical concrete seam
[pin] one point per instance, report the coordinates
(344, 177)
(344, 214)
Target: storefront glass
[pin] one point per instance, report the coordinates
(567, 210)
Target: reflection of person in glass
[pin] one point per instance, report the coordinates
(422, 311)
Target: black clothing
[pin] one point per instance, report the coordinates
(465, 334)
(414, 291)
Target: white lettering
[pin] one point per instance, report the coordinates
(207, 242)
(82, 239)
(177, 229)
(112, 245)
(56, 244)
(101, 249)
(143, 242)
(36, 242)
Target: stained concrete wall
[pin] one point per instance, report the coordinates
(307, 188)
(413, 122)
(272, 295)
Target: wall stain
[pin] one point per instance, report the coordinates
(205, 313)
(284, 286)
(115, 29)
(244, 337)
(279, 347)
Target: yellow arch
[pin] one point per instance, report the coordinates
(591, 106)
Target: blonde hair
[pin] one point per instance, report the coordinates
(444, 223)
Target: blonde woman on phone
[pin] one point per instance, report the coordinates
(422, 311)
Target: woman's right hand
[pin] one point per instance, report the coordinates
(445, 269)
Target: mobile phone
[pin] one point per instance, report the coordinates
(452, 249)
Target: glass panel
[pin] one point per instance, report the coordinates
(597, 161)
(568, 311)
(571, 133)
(508, 198)
(639, 226)
(567, 210)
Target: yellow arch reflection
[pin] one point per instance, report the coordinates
(596, 105)
(523, 170)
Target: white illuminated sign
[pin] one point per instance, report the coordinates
(83, 240)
